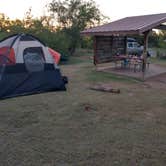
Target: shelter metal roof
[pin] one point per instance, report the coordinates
(129, 25)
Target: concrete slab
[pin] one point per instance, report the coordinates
(152, 71)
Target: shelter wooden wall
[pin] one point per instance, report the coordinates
(108, 46)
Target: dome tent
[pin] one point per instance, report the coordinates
(27, 67)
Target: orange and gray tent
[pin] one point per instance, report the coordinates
(27, 67)
(56, 55)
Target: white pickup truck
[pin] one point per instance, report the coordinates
(134, 48)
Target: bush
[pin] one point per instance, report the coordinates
(161, 53)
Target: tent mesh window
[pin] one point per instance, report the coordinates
(34, 59)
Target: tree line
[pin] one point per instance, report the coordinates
(60, 29)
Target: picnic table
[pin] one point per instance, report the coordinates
(129, 61)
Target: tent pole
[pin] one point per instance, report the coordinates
(144, 60)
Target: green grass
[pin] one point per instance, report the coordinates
(158, 61)
(95, 76)
(73, 60)
(77, 60)
(80, 56)
(84, 127)
(83, 52)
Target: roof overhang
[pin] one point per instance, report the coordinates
(112, 33)
(129, 26)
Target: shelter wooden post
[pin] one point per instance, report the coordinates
(144, 60)
(126, 45)
(95, 50)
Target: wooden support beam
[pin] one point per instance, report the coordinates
(144, 61)
(95, 50)
(125, 45)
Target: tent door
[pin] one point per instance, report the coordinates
(34, 59)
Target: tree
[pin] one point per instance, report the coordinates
(73, 16)
(4, 22)
(28, 18)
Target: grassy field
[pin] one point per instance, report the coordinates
(82, 127)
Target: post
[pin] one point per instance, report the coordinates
(95, 50)
(144, 60)
(125, 40)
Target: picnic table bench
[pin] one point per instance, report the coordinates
(128, 61)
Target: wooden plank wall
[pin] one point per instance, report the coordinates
(107, 47)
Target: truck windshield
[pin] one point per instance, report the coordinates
(135, 44)
(130, 44)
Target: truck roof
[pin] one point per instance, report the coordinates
(131, 39)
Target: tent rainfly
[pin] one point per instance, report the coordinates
(136, 25)
(27, 67)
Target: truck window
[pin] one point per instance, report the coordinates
(136, 44)
(130, 45)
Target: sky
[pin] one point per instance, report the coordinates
(115, 9)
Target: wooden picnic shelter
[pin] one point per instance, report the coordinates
(110, 40)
